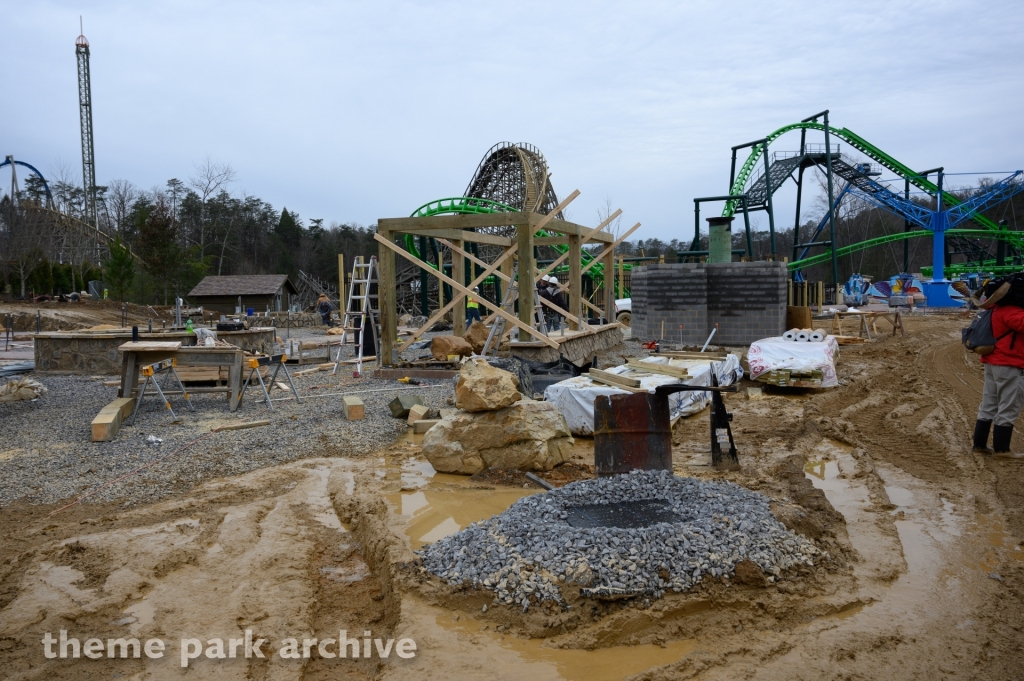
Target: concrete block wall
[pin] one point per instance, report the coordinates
(746, 300)
(675, 294)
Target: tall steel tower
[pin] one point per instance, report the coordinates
(85, 113)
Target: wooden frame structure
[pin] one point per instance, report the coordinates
(459, 230)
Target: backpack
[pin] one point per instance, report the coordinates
(979, 337)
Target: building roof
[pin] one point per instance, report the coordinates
(243, 285)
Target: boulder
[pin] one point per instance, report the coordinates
(528, 436)
(476, 336)
(442, 346)
(482, 387)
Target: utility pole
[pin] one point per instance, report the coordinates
(85, 116)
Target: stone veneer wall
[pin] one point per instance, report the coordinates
(70, 352)
(746, 299)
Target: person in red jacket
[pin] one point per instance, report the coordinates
(1003, 396)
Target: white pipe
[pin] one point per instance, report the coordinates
(708, 341)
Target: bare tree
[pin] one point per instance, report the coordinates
(211, 177)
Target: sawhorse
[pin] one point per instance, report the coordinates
(151, 371)
(255, 363)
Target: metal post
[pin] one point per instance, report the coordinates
(768, 200)
(696, 226)
(799, 192)
(831, 211)
(746, 226)
(906, 228)
(938, 237)
(732, 172)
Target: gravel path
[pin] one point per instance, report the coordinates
(46, 455)
(524, 554)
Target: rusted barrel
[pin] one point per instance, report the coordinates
(632, 432)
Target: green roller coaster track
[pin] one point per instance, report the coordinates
(472, 206)
(900, 236)
(886, 161)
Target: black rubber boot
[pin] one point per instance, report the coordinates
(981, 429)
(1001, 442)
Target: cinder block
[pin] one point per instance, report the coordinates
(353, 408)
(416, 413)
(423, 425)
(401, 405)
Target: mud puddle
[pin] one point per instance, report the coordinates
(434, 505)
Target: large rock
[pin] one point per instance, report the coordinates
(476, 336)
(482, 387)
(528, 436)
(442, 346)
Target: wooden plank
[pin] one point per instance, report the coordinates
(575, 279)
(436, 222)
(680, 354)
(353, 408)
(108, 421)
(664, 369)
(150, 346)
(387, 298)
(306, 372)
(460, 235)
(613, 379)
(610, 249)
(240, 426)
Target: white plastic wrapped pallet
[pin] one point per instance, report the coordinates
(770, 354)
(575, 397)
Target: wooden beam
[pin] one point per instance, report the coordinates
(504, 277)
(524, 236)
(403, 225)
(575, 278)
(455, 298)
(563, 227)
(609, 249)
(586, 237)
(467, 291)
(387, 298)
(609, 281)
(664, 369)
(614, 380)
(551, 240)
(459, 275)
(463, 235)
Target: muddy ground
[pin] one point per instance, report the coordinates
(925, 579)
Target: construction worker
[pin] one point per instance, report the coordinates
(473, 307)
(1003, 396)
(323, 306)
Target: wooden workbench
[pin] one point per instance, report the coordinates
(137, 355)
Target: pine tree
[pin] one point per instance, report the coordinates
(119, 269)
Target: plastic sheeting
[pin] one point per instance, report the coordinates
(770, 354)
(575, 397)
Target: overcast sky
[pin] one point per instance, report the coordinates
(355, 111)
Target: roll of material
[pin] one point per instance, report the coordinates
(803, 335)
(818, 335)
(791, 334)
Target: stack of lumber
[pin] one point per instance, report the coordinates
(792, 379)
(850, 340)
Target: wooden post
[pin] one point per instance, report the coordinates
(622, 276)
(459, 275)
(609, 289)
(524, 235)
(388, 300)
(575, 279)
(342, 302)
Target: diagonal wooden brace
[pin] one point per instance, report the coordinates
(456, 286)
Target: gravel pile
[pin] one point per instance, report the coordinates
(46, 455)
(527, 552)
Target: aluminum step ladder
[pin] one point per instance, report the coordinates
(362, 306)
